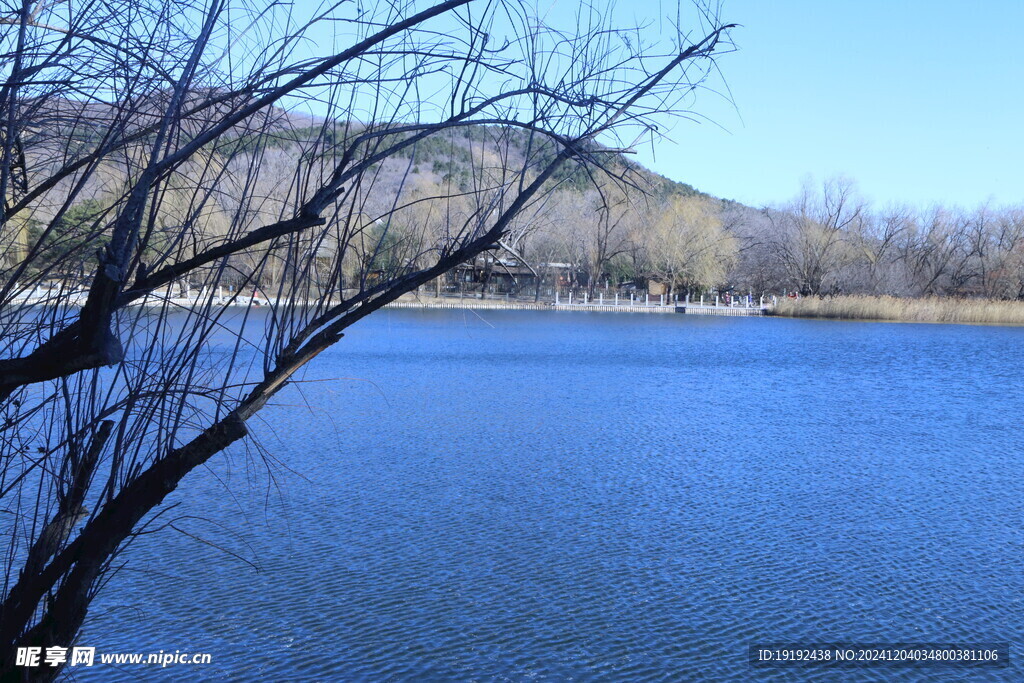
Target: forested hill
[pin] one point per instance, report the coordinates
(448, 156)
(612, 221)
(602, 217)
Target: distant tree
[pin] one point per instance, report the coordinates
(756, 267)
(688, 246)
(78, 231)
(1006, 272)
(615, 208)
(179, 112)
(563, 223)
(938, 253)
(811, 235)
(875, 240)
(556, 238)
(996, 242)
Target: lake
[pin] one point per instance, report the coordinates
(512, 495)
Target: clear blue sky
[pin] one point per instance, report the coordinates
(918, 102)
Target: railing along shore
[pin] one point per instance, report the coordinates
(614, 304)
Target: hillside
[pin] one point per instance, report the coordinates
(590, 217)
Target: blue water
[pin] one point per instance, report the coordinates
(574, 496)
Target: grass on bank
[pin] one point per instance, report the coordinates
(930, 310)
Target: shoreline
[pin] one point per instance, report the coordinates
(934, 310)
(414, 302)
(500, 304)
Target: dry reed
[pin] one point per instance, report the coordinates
(888, 308)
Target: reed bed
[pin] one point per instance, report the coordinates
(926, 310)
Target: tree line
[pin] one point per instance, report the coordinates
(827, 241)
(615, 226)
(830, 241)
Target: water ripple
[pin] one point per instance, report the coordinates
(587, 497)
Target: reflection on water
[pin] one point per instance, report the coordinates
(517, 495)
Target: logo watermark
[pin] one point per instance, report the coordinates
(86, 656)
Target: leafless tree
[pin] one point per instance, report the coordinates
(938, 253)
(1006, 272)
(150, 148)
(616, 207)
(995, 241)
(687, 245)
(757, 267)
(876, 268)
(810, 236)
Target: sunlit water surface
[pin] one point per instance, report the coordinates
(552, 496)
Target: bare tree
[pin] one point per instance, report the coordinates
(556, 239)
(995, 239)
(224, 161)
(757, 266)
(687, 245)
(875, 240)
(938, 253)
(608, 237)
(1007, 270)
(811, 235)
